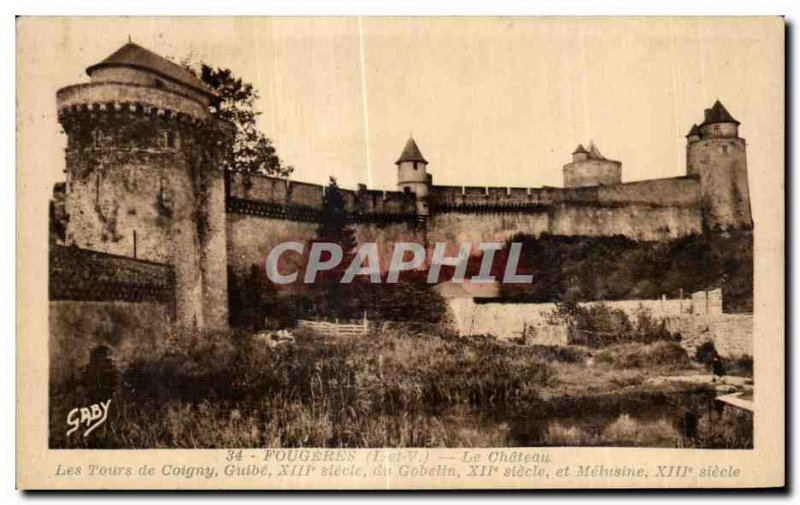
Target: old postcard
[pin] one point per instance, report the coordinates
(400, 253)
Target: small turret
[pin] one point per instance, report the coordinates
(412, 175)
(580, 154)
(694, 134)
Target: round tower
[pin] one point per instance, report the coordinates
(590, 168)
(141, 177)
(717, 156)
(412, 175)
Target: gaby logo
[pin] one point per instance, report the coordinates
(91, 416)
(366, 261)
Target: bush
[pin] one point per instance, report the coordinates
(705, 353)
(600, 325)
(741, 366)
(668, 354)
(617, 268)
(256, 304)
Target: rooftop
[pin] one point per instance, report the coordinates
(134, 56)
(594, 152)
(694, 131)
(411, 153)
(718, 114)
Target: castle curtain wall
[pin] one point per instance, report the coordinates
(492, 226)
(265, 211)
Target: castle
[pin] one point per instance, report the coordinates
(141, 182)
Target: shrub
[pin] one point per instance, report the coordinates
(667, 354)
(741, 366)
(600, 325)
(617, 268)
(705, 353)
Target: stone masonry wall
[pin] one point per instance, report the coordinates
(633, 220)
(698, 319)
(127, 328)
(251, 238)
(98, 299)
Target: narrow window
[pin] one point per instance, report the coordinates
(170, 139)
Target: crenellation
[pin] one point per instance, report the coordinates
(519, 194)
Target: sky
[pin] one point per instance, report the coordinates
(490, 101)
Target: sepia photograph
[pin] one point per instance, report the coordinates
(339, 233)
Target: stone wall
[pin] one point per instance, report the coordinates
(79, 274)
(252, 237)
(265, 211)
(127, 328)
(141, 185)
(731, 334)
(632, 220)
(721, 166)
(592, 172)
(644, 210)
(472, 227)
(698, 319)
(102, 299)
(284, 192)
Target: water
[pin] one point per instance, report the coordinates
(636, 420)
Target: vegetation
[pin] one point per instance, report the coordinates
(740, 365)
(256, 304)
(333, 227)
(404, 387)
(618, 268)
(600, 325)
(252, 151)
(664, 354)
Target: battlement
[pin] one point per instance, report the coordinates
(675, 191)
(117, 97)
(276, 197)
(298, 200)
(454, 197)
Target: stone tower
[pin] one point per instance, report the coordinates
(718, 157)
(413, 176)
(141, 175)
(590, 168)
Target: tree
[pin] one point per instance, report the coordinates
(334, 225)
(235, 102)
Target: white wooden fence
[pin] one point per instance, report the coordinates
(336, 329)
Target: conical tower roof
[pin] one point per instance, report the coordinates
(134, 56)
(594, 152)
(580, 149)
(718, 114)
(411, 153)
(694, 131)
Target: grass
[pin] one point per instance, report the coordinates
(399, 389)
